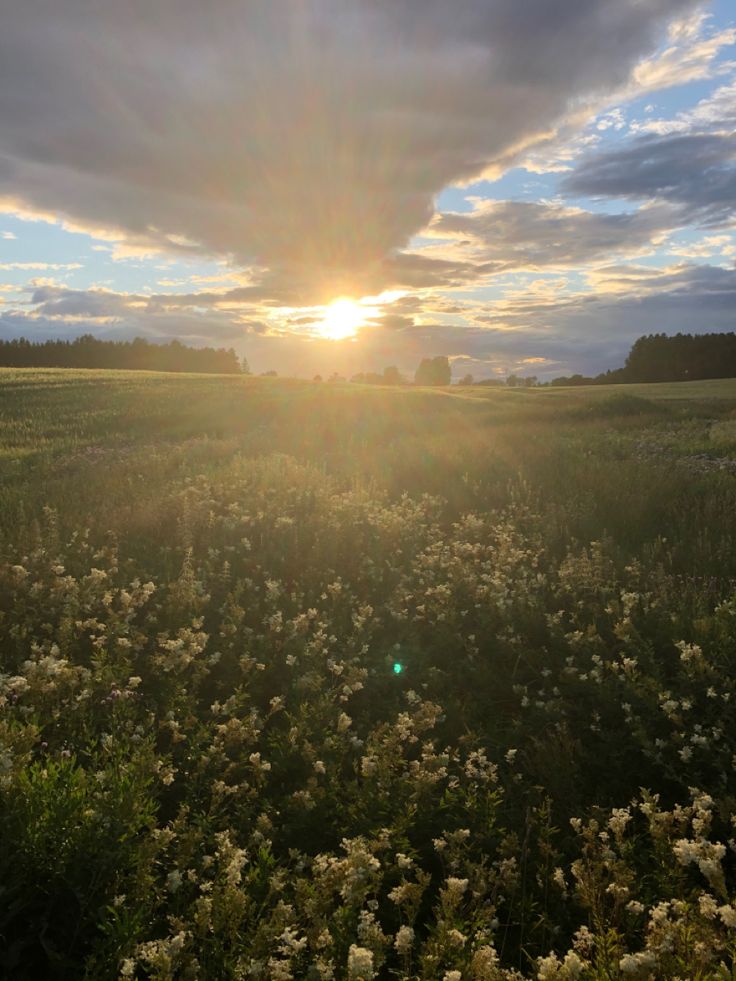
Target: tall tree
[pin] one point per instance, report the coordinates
(433, 371)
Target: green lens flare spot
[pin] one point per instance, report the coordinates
(398, 667)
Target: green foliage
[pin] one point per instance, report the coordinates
(209, 764)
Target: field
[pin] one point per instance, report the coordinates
(324, 681)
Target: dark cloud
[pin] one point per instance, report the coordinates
(306, 136)
(695, 170)
(592, 332)
(520, 234)
(54, 311)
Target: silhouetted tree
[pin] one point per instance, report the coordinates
(392, 376)
(91, 352)
(683, 357)
(572, 380)
(466, 380)
(433, 371)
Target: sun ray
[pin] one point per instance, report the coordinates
(342, 319)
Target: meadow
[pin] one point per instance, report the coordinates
(327, 681)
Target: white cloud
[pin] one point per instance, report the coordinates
(691, 53)
(8, 266)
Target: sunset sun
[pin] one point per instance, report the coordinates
(342, 319)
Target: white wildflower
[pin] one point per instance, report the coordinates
(360, 964)
(173, 880)
(404, 940)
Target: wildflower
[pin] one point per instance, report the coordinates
(572, 965)
(456, 887)
(708, 906)
(558, 877)
(620, 817)
(485, 963)
(173, 880)
(633, 963)
(404, 940)
(689, 653)
(728, 916)
(360, 964)
(548, 967)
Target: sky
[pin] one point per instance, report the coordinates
(341, 185)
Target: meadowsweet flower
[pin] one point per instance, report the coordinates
(360, 964)
(728, 916)
(456, 887)
(620, 817)
(404, 940)
(634, 963)
(484, 965)
(548, 967)
(174, 881)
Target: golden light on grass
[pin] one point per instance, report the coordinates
(342, 319)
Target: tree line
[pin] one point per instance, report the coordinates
(139, 354)
(667, 358)
(653, 358)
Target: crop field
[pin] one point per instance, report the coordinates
(322, 681)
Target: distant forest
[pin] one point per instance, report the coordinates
(654, 358)
(90, 352)
(661, 358)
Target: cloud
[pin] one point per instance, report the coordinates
(11, 266)
(306, 137)
(54, 310)
(592, 331)
(690, 53)
(717, 112)
(697, 170)
(522, 235)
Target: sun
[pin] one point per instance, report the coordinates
(342, 319)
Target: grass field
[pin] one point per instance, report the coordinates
(325, 681)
